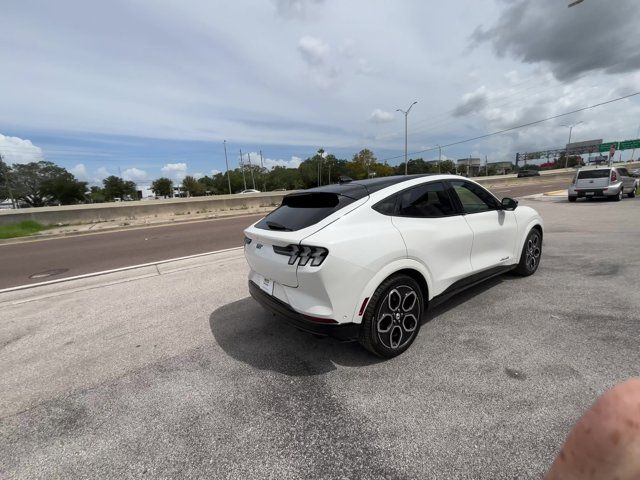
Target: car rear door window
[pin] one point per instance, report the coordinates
(426, 201)
(386, 206)
(473, 198)
(299, 211)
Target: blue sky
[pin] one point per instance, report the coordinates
(147, 88)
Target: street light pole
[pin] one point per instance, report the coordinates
(226, 160)
(264, 184)
(566, 156)
(244, 181)
(406, 114)
(253, 180)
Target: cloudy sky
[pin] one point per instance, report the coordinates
(152, 87)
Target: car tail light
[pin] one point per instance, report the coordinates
(614, 177)
(573, 180)
(303, 254)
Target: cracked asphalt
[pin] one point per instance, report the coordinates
(181, 375)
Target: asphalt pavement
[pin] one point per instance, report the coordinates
(177, 373)
(51, 259)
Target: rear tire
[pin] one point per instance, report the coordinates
(632, 193)
(572, 198)
(619, 196)
(393, 317)
(531, 254)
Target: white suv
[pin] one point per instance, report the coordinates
(362, 260)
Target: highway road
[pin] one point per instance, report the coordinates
(51, 259)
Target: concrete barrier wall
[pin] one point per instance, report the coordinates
(101, 212)
(77, 214)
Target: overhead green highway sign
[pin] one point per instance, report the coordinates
(629, 144)
(605, 147)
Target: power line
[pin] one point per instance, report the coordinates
(499, 132)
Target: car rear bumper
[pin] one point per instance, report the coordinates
(341, 331)
(595, 192)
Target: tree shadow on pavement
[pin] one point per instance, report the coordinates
(250, 334)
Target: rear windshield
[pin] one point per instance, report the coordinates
(301, 210)
(594, 174)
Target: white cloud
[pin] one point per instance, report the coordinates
(134, 174)
(18, 150)
(294, 162)
(364, 67)
(313, 50)
(176, 171)
(381, 116)
(102, 173)
(80, 172)
(215, 171)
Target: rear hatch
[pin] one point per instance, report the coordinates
(597, 179)
(300, 215)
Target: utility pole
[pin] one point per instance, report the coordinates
(406, 114)
(633, 152)
(226, 160)
(566, 155)
(439, 157)
(253, 180)
(486, 166)
(264, 184)
(244, 180)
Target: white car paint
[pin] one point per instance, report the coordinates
(366, 247)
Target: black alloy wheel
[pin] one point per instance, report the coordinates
(393, 317)
(531, 254)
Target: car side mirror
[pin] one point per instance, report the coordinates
(509, 203)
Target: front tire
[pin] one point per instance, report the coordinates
(572, 198)
(393, 317)
(632, 193)
(531, 254)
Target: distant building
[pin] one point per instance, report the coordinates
(501, 168)
(144, 191)
(469, 166)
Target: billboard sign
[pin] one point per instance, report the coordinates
(578, 148)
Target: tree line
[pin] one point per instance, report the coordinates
(320, 169)
(43, 183)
